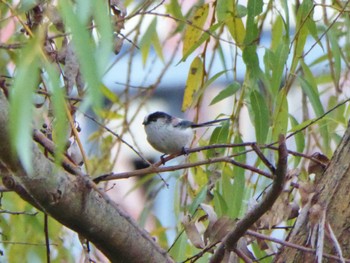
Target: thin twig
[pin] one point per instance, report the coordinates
(156, 169)
(18, 213)
(47, 238)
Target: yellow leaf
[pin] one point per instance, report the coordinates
(193, 83)
(194, 30)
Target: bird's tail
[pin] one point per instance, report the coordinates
(209, 123)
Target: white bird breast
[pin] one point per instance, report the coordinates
(167, 139)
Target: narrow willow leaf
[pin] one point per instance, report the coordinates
(149, 39)
(219, 135)
(178, 248)
(261, 116)
(299, 139)
(237, 30)
(310, 89)
(224, 8)
(309, 86)
(336, 54)
(226, 92)
(146, 41)
(110, 95)
(220, 204)
(285, 6)
(251, 60)
(278, 65)
(213, 78)
(227, 12)
(200, 198)
(300, 126)
(254, 9)
(174, 9)
(311, 26)
(238, 189)
(302, 32)
(193, 31)
(85, 10)
(60, 124)
(280, 117)
(193, 83)
(277, 33)
(84, 48)
(205, 36)
(21, 105)
(105, 32)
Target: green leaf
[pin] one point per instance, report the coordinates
(227, 12)
(85, 8)
(193, 83)
(219, 135)
(238, 189)
(177, 249)
(150, 38)
(300, 126)
(21, 105)
(213, 78)
(310, 89)
(61, 123)
(309, 86)
(277, 33)
(193, 31)
(227, 92)
(278, 65)
(237, 30)
(254, 9)
(224, 8)
(220, 204)
(104, 27)
(299, 140)
(260, 117)
(285, 7)
(251, 60)
(174, 9)
(280, 117)
(336, 54)
(110, 95)
(84, 48)
(200, 198)
(304, 13)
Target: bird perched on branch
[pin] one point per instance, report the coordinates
(170, 135)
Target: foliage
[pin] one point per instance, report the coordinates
(57, 58)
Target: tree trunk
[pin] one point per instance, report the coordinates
(332, 196)
(72, 202)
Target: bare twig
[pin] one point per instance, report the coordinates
(47, 239)
(156, 169)
(18, 213)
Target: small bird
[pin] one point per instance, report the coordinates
(169, 134)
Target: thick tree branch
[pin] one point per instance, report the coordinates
(75, 204)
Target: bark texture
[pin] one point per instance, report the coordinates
(332, 194)
(69, 200)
